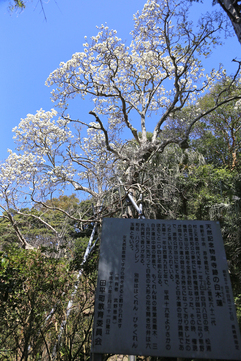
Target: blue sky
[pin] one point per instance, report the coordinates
(32, 48)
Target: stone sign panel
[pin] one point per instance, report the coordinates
(164, 290)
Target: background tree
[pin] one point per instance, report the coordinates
(38, 226)
(34, 290)
(221, 129)
(17, 4)
(217, 134)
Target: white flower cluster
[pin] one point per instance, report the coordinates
(40, 134)
(237, 105)
(16, 175)
(121, 78)
(159, 72)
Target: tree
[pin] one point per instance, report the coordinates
(154, 77)
(221, 129)
(217, 134)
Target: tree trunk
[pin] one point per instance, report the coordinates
(233, 10)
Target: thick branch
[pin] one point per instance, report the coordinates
(108, 147)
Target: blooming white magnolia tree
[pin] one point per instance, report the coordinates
(135, 89)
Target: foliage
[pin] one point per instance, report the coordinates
(54, 225)
(33, 293)
(20, 5)
(221, 128)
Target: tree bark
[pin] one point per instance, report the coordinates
(233, 10)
